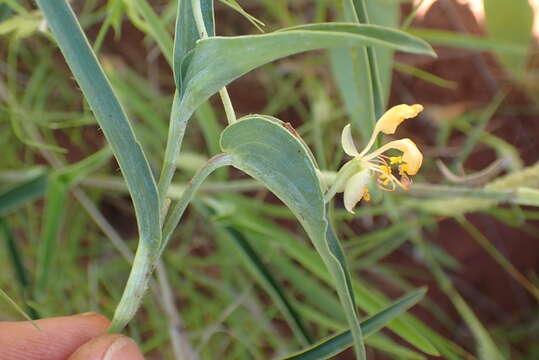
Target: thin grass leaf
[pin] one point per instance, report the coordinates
(484, 242)
(465, 41)
(156, 29)
(56, 198)
(115, 10)
(367, 297)
(365, 69)
(23, 193)
(425, 75)
(265, 278)
(475, 133)
(21, 275)
(336, 344)
(17, 308)
(54, 212)
(233, 4)
(385, 345)
(510, 22)
(486, 346)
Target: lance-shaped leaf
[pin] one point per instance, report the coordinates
(219, 60)
(186, 30)
(271, 152)
(121, 137)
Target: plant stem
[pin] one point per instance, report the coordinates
(229, 109)
(178, 209)
(225, 98)
(135, 288)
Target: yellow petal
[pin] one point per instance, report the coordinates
(389, 122)
(410, 154)
(355, 189)
(348, 142)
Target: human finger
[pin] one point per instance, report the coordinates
(108, 347)
(54, 339)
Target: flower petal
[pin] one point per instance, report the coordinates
(410, 154)
(355, 189)
(348, 142)
(392, 118)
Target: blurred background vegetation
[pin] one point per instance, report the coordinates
(239, 279)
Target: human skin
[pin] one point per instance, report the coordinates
(77, 337)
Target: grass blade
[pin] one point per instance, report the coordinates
(18, 267)
(263, 275)
(21, 194)
(56, 196)
(156, 29)
(338, 343)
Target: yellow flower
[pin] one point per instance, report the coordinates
(353, 177)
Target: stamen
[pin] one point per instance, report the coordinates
(395, 160)
(367, 195)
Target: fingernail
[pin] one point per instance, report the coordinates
(89, 313)
(122, 348)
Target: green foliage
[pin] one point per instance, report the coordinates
(510, 22)
(240, 280)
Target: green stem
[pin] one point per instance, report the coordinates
(179, 116)
(182, 109)
(229, 109)
(179, 208)
(350, 168)
(135, 288)
(201, 27)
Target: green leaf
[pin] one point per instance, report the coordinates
(384, 13)
(54, 212)
(363, 75)
(338, 343)
(265, 278)
(23, 193)
(486, 347)
(371, 301)
(465, 41)
(16, 259)
(510, 22)
(186, 30)
(20, 26)
(208, 71)
(126, 148)
(156, 28)
(72, 174)
(108, 113)
(17, 308)
(237, 7)
(56, 198)
(265, 149)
